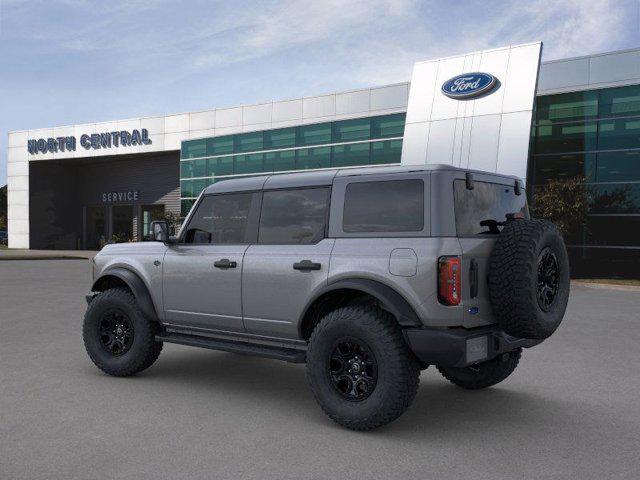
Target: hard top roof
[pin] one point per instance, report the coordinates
(323, 177)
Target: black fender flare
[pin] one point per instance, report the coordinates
(135, 284)
(391, 300)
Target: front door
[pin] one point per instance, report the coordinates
(289, 261)
(202, 274)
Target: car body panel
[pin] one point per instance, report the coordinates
(273, 293)
(138, 257)
(264, 297)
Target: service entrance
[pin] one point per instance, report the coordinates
(85, 203)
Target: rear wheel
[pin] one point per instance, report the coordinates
(119, 339)
(485, 374)
(360, 370)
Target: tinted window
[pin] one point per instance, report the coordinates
(391, 206)
(220, 219)
(487, 203)
(294, 216)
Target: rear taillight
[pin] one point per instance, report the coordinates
(449, 280)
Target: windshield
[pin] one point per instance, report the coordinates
(483, 210)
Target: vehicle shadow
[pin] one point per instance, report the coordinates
(438, 407)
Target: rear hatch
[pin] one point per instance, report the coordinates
(480, 209)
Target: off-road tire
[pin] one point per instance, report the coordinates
(514, 276)
(483, 375)
(144, 349)
(398, 371)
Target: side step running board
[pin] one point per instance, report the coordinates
(279, 353)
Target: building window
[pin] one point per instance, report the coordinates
(250, 163)
(388, 126)
(220, 145)
(247, 142)
(309, 158)
(359, 141)
(220, 166)
(351, 130)
(280, 138)
(280, 161)
(595, 136)
(194, 148)
(388, 151)
(350, 155)
(315, 134)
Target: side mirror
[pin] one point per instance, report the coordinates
(159, 231)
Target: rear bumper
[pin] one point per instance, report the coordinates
(461, 347)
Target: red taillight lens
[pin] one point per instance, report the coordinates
(449, 280)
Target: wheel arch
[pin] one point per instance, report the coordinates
(345, 291)
(122, 277)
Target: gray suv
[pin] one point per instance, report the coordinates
(367, 275)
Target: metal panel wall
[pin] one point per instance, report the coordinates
(489, 132)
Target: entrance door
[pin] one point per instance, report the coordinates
(122, 223)
(96, 234)
(202, 274)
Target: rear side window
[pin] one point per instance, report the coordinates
(220, 219)
(388, 206)
(297, 216)
(479, 211)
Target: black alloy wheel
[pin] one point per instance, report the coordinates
(548, 273)
(116, 332)
(353, 369)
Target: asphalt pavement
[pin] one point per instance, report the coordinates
(570, 411)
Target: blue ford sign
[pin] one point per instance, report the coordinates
(469, 85)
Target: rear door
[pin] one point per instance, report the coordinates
(289, 261)
(478, 214)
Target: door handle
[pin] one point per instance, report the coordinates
(225, 263)
(306, 265)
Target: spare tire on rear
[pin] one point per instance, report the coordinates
(529, 278)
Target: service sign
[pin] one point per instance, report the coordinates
(93, 141)
(469, 85)
(118, 197)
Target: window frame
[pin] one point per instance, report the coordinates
(251, 234)
(325, 231)
(340, 184)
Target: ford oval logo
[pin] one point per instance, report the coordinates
(469, 85)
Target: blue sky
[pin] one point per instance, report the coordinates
(72, 61)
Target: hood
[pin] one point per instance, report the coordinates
(133, 248)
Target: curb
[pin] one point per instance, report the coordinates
(607, 286)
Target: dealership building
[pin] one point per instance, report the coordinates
(79, 186)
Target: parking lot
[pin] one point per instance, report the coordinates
(571, 409)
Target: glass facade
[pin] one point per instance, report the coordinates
(595, 136)
(362, 141)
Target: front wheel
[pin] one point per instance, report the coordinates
(119, 339)
(359, 367)
(485, 374)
